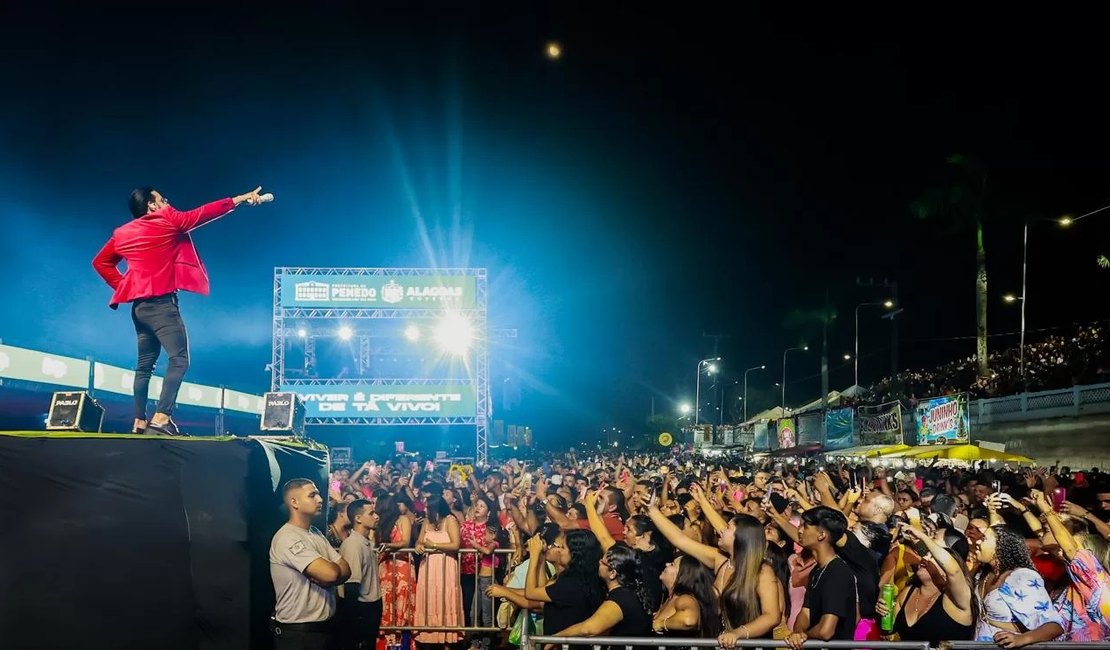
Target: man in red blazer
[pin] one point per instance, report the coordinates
(161, 260)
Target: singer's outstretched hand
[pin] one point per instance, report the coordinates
(250, 198)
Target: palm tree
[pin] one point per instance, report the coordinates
(962, 202)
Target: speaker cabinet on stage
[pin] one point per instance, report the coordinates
(283, 412)
(75, 411)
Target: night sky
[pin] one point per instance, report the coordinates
(675, 173)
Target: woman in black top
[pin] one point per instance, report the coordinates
(652, 549)
(625, 610)
(576, 591)
(938, 604)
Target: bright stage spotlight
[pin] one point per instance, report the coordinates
(302, 332)
(412, 333)
(346, 333)
(454, 334)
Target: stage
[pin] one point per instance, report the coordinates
(134, 541)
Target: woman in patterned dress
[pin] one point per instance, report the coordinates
(1015, 609)
(395, 571)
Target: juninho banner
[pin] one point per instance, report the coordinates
(942, 420)
(323, 290)
(398, 402)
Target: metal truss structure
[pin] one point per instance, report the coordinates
(478, 355)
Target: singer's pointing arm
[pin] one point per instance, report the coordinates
(197, 217)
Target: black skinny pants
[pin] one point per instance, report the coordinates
(158, 326)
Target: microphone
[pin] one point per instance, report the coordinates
(266, 198)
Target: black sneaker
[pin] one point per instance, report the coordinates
(167, 429)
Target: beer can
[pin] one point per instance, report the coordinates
(887, 594)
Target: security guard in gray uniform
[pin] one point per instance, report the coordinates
(305, 570)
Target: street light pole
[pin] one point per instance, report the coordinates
(697, 389)
(803, 348)
(1024, 266)
(1063, 221)
(721, 402)
(746, 388)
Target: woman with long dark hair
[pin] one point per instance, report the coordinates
(751, 595)
(438, 590)
(779, 559)
(753, 599)
(1017, 610)
(691, 605)
(625, 609)
(577, 590)
(395, 572)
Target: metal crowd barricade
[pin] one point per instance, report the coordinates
(413, 561)
(599, 642)
(1047, 645)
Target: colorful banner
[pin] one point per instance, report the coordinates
(838, 428)
(880, 425)
(29, 365)
(341, 291)
(942, 420)
(395, 402)
(787, 433)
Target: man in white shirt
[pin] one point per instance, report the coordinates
(305, 570)
(361, 607)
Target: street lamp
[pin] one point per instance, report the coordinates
(804, 348)
(885, 303)
(697, 390)
(1064, 221)
(723, 397)
(746, 388)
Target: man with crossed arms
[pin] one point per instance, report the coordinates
(305, 570)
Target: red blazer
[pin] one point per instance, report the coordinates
(160, 254)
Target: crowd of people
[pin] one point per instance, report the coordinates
(682, 546)
(1080, 355)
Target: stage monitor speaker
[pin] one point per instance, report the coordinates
(283, 412)
(75, 411)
